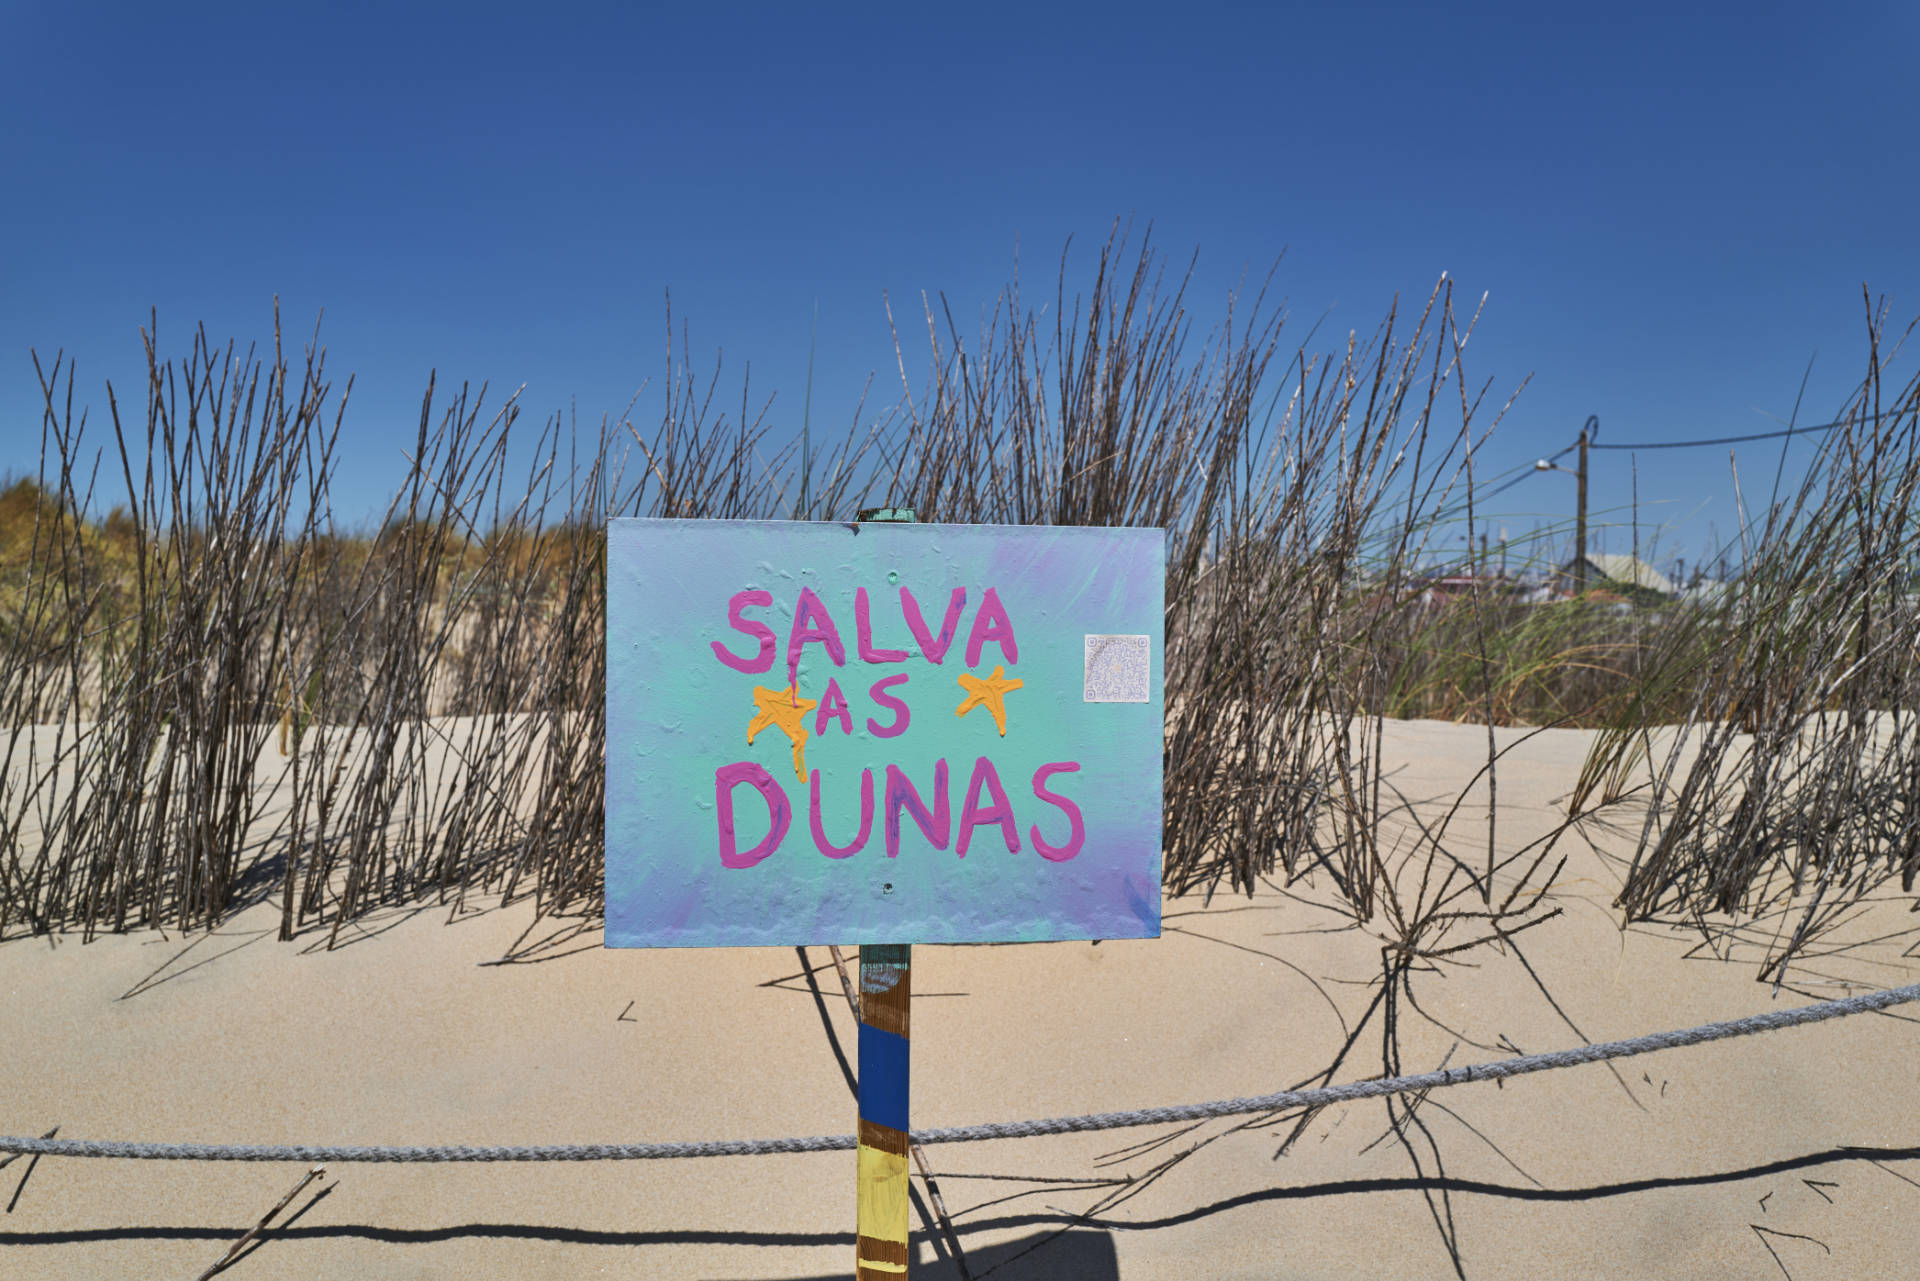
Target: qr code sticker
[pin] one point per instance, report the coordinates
(1119, 669)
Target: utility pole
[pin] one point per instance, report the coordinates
(1590, 429)
(1587, 434)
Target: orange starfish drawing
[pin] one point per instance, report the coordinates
(991, 693)
(785, 710)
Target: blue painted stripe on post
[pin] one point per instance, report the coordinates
(883, 1078)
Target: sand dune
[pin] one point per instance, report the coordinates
(1789, 1154)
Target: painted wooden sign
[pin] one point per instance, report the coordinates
(837, 733)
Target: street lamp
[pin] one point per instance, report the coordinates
(1587, 433)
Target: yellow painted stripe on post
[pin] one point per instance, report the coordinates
(883, 1195)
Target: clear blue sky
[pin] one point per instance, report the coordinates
(1672, 209)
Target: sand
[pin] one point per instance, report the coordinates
(1791, 1154)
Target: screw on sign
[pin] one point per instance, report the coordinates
(968, 715)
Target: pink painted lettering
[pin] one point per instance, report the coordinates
(935, 826)
(763, 661)
(820, 840)
(1001, 811)
(811, 622)
(902, 714)
(863, 634)
(833, 706)
(779, 812)
(935, 650)
(1076, 825)
(992, 624)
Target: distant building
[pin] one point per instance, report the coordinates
(1528, 592)
(1444, 588)
(1618, 573)
(1706, 592)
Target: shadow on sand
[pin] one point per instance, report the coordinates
(1075, 1255)
(1058, 1245)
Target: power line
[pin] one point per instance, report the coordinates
(1741, 440)
(1500, 483)
(1496, 485)
(1501, 489)
(1718, 440)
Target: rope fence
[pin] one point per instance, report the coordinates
(1497, 1070)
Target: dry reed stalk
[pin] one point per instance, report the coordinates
(253, 1233)
(1803, 750)
(437, 685)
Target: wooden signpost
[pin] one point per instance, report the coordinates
(886, 979)
(885, 1074)
(887, 732)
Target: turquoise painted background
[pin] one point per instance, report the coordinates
(676, 714)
